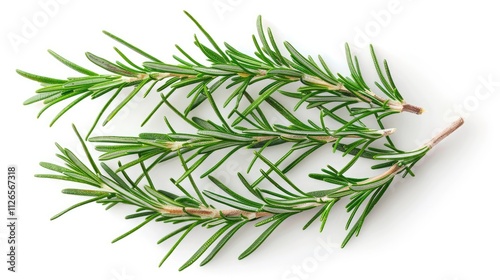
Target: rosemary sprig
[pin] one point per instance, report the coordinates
(271, 207)
(318, 85)
(211, 137)
(273, 197)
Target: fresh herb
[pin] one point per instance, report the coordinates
(344, 102)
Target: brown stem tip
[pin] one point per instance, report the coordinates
(447, 131)
(412, 109)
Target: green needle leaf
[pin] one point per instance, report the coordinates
(149, 219)
(40, 97)
(222, 242)
(130, 46)
(275, 86)
(107, 65)
(256, 244)
(210, 39)
(204, 247)
(186, 232)
(125, 101)
(72, 65)
(78, 205)
(41, 79)
(82, 192)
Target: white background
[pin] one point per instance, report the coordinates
(443, 224)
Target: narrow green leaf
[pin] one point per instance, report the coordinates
(107, 65)
(285, 112)
(285, 72)
(168, 68)
(132, 67)
(372, 185)
(126, 100)
(186, 232)
(220, 162)
(191, 180)
(69, 106)
(82, 192)
(356, 157)
(162, 198)
(261, 54)
(277, 53)
(78, 205)
(86, 150)
(72, 65)
(104, 108)
(173, 233)
(210, 39)
(188, 202)
(212, 71)
(315, 217)
(280, 173)
(228, 68)
(119, 185)
(379, 70)
(234, 194)
(38, 78)
(399, 156)
(132, 47)
(146, 221)
(40, 97)
(222, 242)
(324, 215)
(52, 88)
(275, 86)
(192, 168)
(187, 56)
(80, 165)
(304, 62)
(300, 158)
(114, 139)
(54, 167)
(208, 95)
(263, 236)
(107, 84)
(204, 124)
(139, 215)
(229, 202)
(204, 247)
(83, 178)
(62, 178)
(219, 145)
(262, 37)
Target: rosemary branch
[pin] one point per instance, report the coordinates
(318, 85)
(246, 126)
(273, 206)
(212, 137)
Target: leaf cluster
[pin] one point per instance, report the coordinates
(191, 208)
(340, 107)
(229, 68)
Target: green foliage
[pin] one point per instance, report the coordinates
(317, 83)
(190, 208)
(344, 102)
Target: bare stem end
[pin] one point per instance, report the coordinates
(412, 109)
(443, 134)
